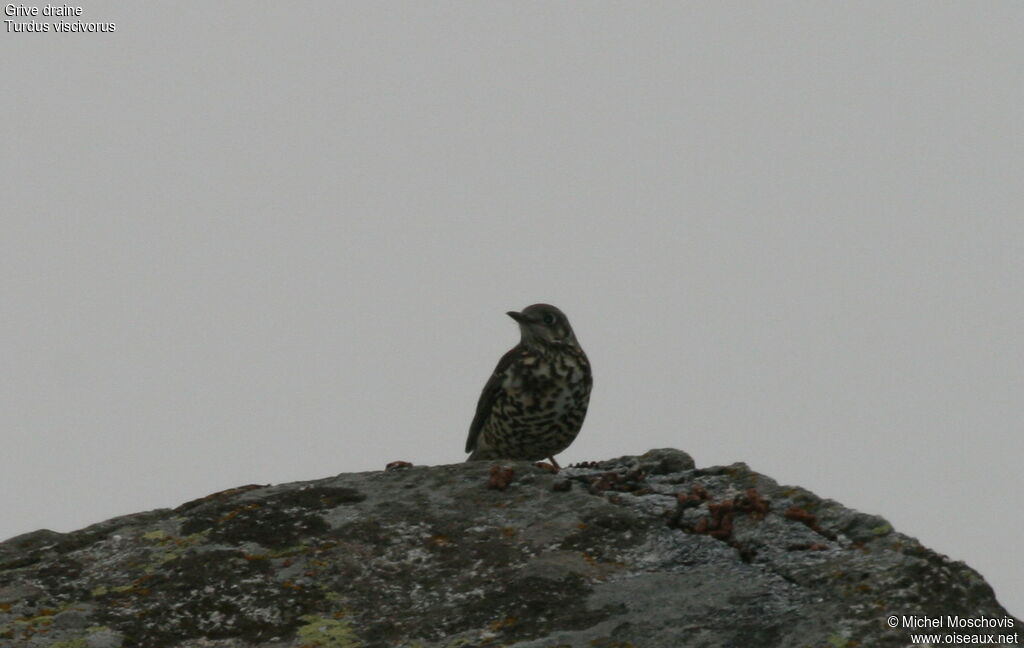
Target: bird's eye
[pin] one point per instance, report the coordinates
(549, 319)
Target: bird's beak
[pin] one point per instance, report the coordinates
(517, 316)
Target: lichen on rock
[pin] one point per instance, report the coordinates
(644, 551)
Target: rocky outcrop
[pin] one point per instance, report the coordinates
(644, 551)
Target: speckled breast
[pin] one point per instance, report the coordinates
(542, 406)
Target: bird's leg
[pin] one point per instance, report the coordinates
(551, 467)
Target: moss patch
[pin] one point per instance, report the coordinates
(70, 643)
(321, 632)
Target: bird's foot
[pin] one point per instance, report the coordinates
(550, 467)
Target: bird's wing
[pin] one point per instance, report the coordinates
(488, 396)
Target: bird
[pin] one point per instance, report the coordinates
(534, 403)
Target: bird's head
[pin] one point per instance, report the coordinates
(544, 324)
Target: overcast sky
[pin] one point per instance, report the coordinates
(257, 242)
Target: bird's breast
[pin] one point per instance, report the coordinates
(557, 382)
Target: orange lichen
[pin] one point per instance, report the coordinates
(500, 477)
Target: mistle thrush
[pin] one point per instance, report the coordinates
(535, 401)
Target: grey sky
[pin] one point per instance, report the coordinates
(263, 241)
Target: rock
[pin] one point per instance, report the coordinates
(71, 619)
(636, 551)
(104, 638)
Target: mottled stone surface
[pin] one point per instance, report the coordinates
(641, 551)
